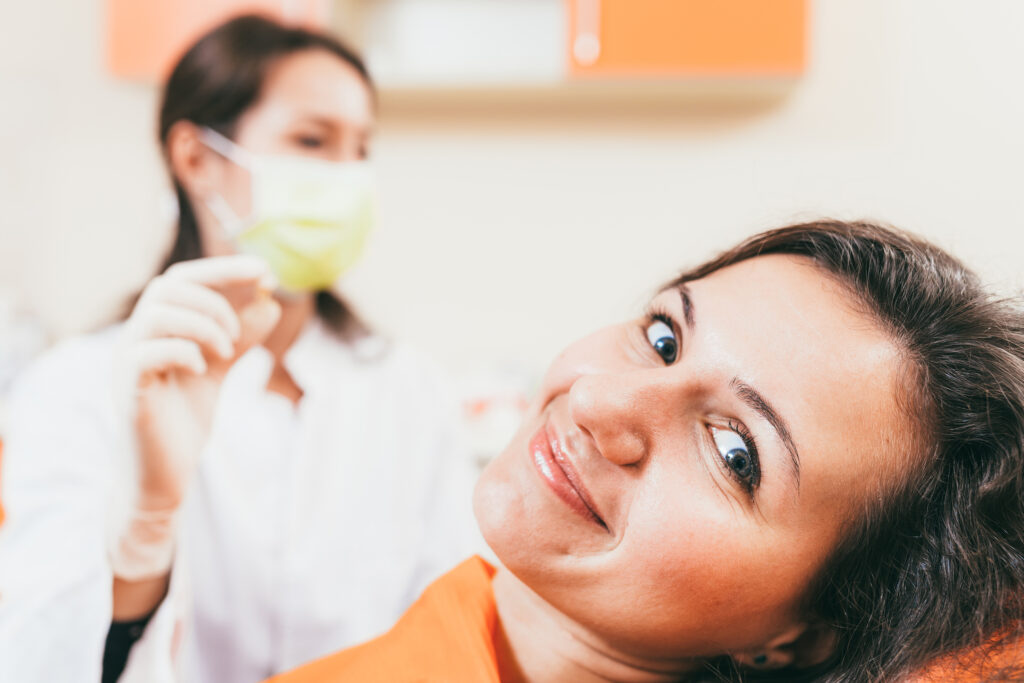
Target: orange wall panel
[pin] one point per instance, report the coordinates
(688, 37)
(145, 37)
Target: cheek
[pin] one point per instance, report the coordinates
(697, 578)
(504, 508)
(568, 366)
(700, 561)
(236, 189)
(605, 351)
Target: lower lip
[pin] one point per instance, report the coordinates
(553, 475)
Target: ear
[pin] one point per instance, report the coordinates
(803, 645)
(198, 168)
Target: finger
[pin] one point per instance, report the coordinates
(165, 320)
(202, 300)
(157, 356)
(258, 321)
(222, 270)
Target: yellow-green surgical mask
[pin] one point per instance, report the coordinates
(309, 219)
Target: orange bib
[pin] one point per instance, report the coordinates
(446, 636)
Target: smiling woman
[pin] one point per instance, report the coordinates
(690, 434)
(805, 461)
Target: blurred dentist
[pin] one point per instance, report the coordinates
(259, 477)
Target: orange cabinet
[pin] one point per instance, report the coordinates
(485, 45)
(686, 38)
(145, 37)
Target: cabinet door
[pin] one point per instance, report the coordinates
(146, 37)
(687, 38)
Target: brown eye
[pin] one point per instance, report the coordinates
(663, 340)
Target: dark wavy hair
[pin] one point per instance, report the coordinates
(213, 84)
(933, 565)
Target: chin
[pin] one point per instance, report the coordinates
(510, 521)
(494, 506)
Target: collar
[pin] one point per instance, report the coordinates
(313, 354)
(318, 353)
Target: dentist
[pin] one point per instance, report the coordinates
(257, 475)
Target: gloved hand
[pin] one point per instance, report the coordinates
(187, 329)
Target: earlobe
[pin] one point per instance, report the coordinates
(802, 646)
(778, 658)
(813, 646)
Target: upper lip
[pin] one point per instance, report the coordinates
(565, 463)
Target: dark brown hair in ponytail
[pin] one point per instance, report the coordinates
(213, 84)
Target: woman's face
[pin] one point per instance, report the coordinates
(682, 477)
(312, 104)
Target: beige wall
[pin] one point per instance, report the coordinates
(506, 232)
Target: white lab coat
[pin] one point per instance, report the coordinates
(307, 529)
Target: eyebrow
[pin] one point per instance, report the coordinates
(688, 317)
(760, 405)
(749, 395)
(316, 119)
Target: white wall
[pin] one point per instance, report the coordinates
(506, 233)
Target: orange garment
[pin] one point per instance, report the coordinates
(446, 636)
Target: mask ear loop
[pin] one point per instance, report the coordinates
(229, 221)
(225, 147)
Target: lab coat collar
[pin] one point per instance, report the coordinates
(318, 353)
(313, 355)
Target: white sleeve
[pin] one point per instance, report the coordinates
(55, 581)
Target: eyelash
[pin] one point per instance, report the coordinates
(755, 460)
(310, 141)
(657, 314)
(660, 314)
(665, 318)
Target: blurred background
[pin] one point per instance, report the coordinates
(543, 164)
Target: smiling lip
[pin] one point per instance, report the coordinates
(558, 473)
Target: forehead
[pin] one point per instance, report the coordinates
(788, 328)
(318, 84)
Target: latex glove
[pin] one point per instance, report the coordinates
(187, 329)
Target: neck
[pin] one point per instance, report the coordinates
(535, 643)
(296, 311)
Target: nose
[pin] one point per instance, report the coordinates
(619, 411)
(349, 150)
(349, 146)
